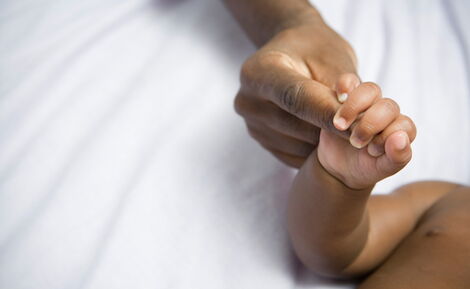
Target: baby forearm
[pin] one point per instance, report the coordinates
(328, 223)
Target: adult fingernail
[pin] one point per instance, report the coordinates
(375, 150)
(342, 97)
(340, 123)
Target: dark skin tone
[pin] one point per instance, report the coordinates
(289, 87)
(415, 237)
(291, 100)
(286, 92)
(436, 253)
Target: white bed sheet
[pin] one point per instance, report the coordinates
(123, 165)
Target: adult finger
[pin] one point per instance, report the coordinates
(293, 92)
(273, 140)
(293, 161)
(260, 112)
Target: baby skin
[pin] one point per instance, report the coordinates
(418, 236)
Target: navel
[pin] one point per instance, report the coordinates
(433, 232)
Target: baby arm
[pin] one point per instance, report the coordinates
(335, 228)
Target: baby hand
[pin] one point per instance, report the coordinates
(380, 138)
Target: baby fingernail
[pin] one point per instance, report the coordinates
(375, 150)
(402, 142)
(356, 142)
(340, 123)
(342, 97)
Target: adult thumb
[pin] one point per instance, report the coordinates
(303, 97)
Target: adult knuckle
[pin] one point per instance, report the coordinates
(248, 71)
(276, 119)
(255, 68)
(253, 133)
(269, 58)
(261, 61)
(290, 121)
(325, 116)
(239, 104)
(291, 97)
(292, 162)
(305, 149)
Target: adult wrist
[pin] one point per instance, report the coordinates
(302, 17)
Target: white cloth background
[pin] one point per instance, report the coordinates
(123, 165)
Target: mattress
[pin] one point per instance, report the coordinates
(123, 164)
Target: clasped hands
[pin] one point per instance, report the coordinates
(294, 86)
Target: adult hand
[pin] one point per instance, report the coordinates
(289, 88)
